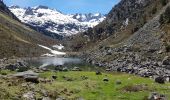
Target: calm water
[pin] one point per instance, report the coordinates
(54, 61)
(50, 62)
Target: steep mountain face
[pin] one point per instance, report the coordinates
(17, 39)
(96, 18)
(127, 14)
(123, 21)
(134, 38)
(54, 23)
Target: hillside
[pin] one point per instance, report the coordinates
(134, 38)
(122, 22)
(18, 40)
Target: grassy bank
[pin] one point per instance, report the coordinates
(87, 85)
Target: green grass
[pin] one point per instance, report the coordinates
(6, 72)
(93, 88)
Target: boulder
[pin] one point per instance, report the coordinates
(76, 69)
(98, 73)
(118, 82)
(166, 61)
(54, 77)
(19, 66)
(29, 76)
(46, 98)
(156, 96)
(108, 70)
(65, 69)
(29, 95)
(11, 67)
(160, 80)
(106, 80)
(167, 78)
(59, 68)
(33, 79)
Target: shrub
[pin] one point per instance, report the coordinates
(163, 2)
(165, 17)
(167, 48)
(154, 10)
(167, 14)
(161, 19)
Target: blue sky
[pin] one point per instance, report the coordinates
(69, 6)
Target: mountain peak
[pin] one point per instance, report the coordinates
(51, 20)
(41, 7)
(14, 6)
(87, 17)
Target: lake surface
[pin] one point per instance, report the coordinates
(51, 62)
(54, 61)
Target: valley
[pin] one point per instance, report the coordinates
(123, 55)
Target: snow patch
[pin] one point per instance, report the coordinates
(53, 52)
(59, 47)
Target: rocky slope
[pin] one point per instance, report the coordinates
(143, 51)
(17, 39)
(122, 21)
(54, 23)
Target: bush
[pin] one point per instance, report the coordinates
(165, 18)
(161, 19)
(167, 48)
(154, 10)
(163, 2)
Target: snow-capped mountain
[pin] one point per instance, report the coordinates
(52, 22)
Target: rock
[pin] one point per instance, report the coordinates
(22, 69)
(160, 80)
(166, 61)
(11, 67)
(59, 68)
(160, 51)
(156, 96)
(167, 78)
(108, 53)
(54, 77)
(19, 66)
(119, 69)
(108, 70)
(106, 80)
(65, 69)
(29, 76)
(29, 95)
(46, 98)
(69, 79)
(26, 73)
(98, 73)
(40, 98)
(76, 69)
(61, 98)
(118, 82)
(33, 79)
(22, 66)
(44, 93)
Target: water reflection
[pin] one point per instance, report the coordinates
(42, 62)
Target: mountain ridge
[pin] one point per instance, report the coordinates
(55, 22)
(141, 50)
